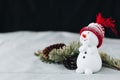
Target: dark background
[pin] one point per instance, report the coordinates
(55, 15)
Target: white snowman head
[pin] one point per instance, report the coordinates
(92, 35)
(88, 38)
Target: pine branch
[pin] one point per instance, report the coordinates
(110, 61)
(58, 55)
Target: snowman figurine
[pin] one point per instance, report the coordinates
(91, 38)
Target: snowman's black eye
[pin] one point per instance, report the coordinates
(88, 32)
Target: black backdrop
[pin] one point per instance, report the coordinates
(58, 15)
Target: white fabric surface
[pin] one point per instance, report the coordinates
(17, 60)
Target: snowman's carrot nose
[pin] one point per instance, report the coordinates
(84, 35)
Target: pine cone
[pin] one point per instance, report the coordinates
(70, 62)
(46, 51)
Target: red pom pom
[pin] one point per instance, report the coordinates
(106, 22)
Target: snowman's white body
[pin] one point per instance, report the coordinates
(89, 60)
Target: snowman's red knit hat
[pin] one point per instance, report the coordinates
(98, 27)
